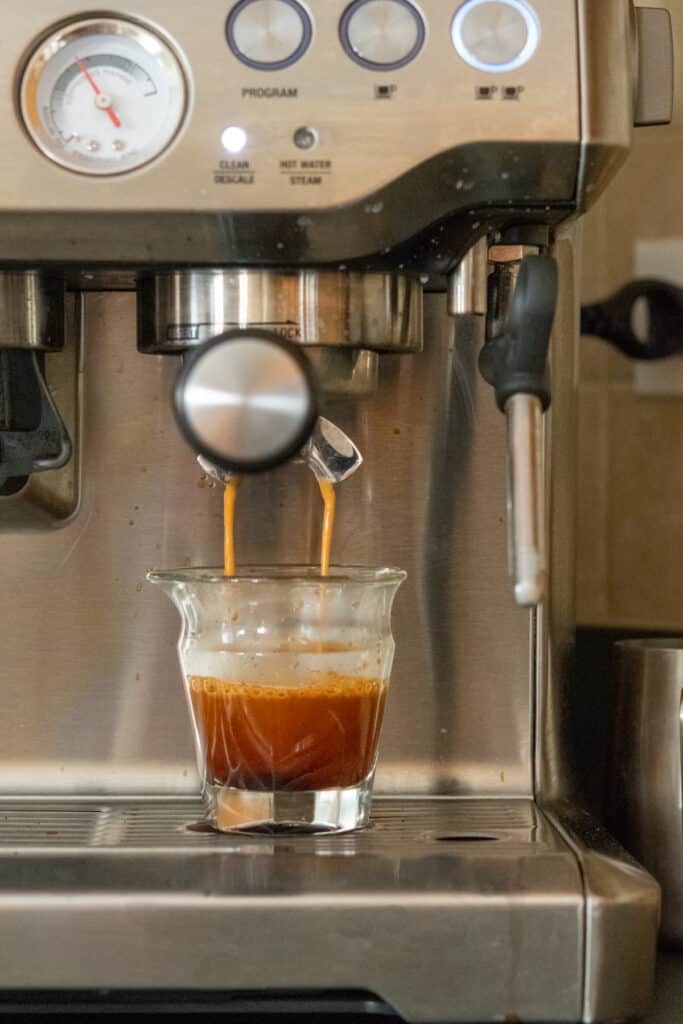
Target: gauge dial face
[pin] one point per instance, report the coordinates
(103, 96)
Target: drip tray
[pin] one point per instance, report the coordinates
(177, 824)
(447, 909)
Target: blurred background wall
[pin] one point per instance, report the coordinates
(630, 498)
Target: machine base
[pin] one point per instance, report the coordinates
(445, 909)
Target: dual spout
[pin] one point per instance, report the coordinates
(329, 454)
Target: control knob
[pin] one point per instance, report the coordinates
(382, 35)
(268, 35)
(496, 35)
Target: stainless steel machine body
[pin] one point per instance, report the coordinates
(645, 782)
(483, 891)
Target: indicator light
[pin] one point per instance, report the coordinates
(234, 139)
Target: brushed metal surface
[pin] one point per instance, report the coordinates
(367, 145)
(556, 769)
(645, 782)
(607, 39)
(31, 310)
(621, 917)
(527, 555)
(49, 499)
(345, 371)
(467, 285)
(380, 312)
(92, 699)
(441, 930)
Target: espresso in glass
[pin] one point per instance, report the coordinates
(290, 737)
(286, 673)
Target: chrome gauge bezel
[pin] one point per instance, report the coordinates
(167, 58)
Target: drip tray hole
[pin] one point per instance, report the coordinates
(468, 837)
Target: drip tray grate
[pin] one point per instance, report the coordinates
(176, 824)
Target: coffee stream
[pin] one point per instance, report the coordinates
(330, 500)
(232, 486)
(229, 500)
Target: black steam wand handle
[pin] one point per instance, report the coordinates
(514, 361)
(613, 320)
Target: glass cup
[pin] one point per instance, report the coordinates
(286, 675)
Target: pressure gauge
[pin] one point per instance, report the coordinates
(103, 96)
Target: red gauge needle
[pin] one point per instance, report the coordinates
(107, 107)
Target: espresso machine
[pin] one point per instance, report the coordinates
(392, 187)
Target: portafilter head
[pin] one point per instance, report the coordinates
(246, 401)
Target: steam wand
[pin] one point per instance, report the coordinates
(514, 361)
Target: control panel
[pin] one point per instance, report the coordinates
(274, 104)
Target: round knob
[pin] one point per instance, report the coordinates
(496, 35)
(268, 34)
(246, 401)
(382, 34)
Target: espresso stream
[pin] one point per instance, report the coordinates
(232, 486)
(330, 501)
(319, 735)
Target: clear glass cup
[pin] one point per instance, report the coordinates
(286, 675)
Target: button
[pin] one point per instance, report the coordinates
(306, 138)
(382, 34)
(268, 34)
(496, 35)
